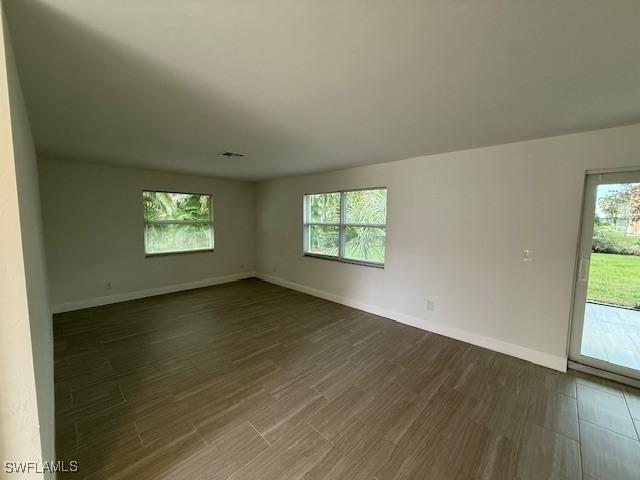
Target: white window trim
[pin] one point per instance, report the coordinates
(179, 222)
(342, 225)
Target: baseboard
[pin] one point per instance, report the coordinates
(124, 297)
(540, 358)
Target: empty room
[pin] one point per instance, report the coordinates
(320, 240)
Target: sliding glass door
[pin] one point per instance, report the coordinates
(606, 311)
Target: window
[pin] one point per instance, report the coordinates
(177, 222)
(346, 226)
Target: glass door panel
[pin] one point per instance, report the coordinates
(606, 311)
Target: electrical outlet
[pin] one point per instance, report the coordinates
(430, 305)
(107, 285)
(527, 255)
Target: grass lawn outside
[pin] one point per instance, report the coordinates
(615, 279)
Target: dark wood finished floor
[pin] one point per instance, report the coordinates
(252, 381)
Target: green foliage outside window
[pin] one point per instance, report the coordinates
(365, 207)
(364, 226)
(177, 222)
(324, 239)
(175, 206)
(324, 208)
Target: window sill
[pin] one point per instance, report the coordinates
(345, 260)
(182, 252)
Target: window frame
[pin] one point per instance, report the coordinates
(342, 226)
(178, 222)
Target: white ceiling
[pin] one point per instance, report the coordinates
(311, 85)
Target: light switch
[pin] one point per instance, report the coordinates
(527, 255)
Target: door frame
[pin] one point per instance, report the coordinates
(592, 179)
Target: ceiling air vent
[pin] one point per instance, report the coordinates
(232, 154)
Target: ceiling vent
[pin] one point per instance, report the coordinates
(232, 154)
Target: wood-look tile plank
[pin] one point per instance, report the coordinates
(339, 413)
(499, 459)
(378, 375)
(501, 410)
(461, 439)
(605, 410)
(108, 432)
(554, 411)
(237, 410)
(608, 455)
(486, 454)
(92, 400)
(149, 462)
(280, 417)
(392, 411)
(544, 454)
(560, 382)
(358, 453)
(197, 384)
(515, 376)
(295, 454)
(335, 379)
(428, 439)
(97, 459)
(67, 436)
(221, 459)
(163, 425)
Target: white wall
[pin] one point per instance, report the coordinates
(93, 220)
(457, 225)
(26, 351)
